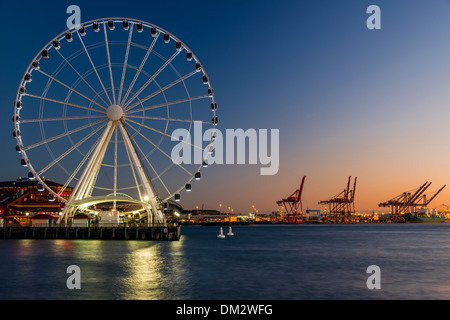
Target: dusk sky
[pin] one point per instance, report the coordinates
(348, 101)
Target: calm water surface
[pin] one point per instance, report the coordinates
(268, 262)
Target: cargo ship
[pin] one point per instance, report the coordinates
(422, 215)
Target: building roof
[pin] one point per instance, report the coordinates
(43, 216)
(25, 182)
(81, 216)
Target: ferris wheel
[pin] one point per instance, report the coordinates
(97, 108)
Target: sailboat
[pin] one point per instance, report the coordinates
(221, 235)
(230, 232)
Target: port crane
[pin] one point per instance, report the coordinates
(409, 201)
(342, 206)
(293, 203)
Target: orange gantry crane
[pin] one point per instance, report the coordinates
(342, 206)
(292, 205)
(409, 201)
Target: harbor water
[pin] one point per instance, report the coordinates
(259, 262)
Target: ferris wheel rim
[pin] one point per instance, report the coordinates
(48, 46)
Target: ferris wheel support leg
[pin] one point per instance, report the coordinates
(86, 183)
(67, 212)
(153, 201)
(90, 175)
(149, 216)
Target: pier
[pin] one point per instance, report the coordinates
(169, 232)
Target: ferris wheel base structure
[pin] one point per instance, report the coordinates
(72, 207)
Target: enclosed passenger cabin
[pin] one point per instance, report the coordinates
(188, 187)
(166, 37)
(125, 25)
(188, 56)
(178, 45)
(82, 31)
(31, 175)
(177, 197)
(153, 31)
(96, 26)
(56, 44)
(40, 187)
(28, 77)
(68, 36)
(111, 25)
(35, 65)
(139, 27)
(197, 176)
(23, 162)
(19, 104)
(45, 54)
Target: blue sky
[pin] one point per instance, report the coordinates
(347, 100)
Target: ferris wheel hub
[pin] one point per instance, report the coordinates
(114, 112)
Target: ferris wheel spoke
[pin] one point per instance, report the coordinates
(62, 102)
(80, 165)
(95, 69)
(146, 181)
(62, 135)
(132, 170)
(164, 134)
(152, 78)
(166, 104)
(140, 67)
(170, 85)
(158, 176)
(71, 89)
(109, 63)
(169, 119)
(82, 78)
(164, 153)
(68, 151)
(61, 118)
(125, 63)
(116, 130)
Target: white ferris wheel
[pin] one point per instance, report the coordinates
(96, 109)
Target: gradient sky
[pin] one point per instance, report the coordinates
(347, 100)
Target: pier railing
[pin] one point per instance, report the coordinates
(122, 231)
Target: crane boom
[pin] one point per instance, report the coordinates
(434, 196)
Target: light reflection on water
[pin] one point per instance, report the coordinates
(36, 269)
(154, 272)
(259, 262)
